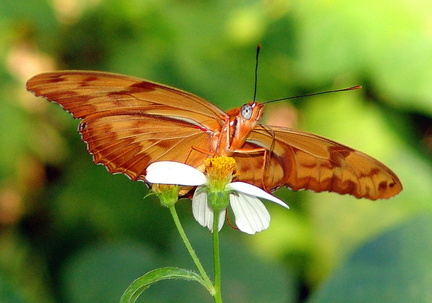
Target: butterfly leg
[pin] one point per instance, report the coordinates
(207, 152)
(196, 157)
(264, 153)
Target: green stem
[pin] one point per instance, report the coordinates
(216, 258)
(191, 251)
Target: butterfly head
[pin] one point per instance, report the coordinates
(246, 119)
(250, 112)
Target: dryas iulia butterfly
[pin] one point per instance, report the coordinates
(129, 123)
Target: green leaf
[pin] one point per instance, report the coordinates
(395, 267)
(141, 284)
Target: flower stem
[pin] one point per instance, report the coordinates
(209, 284)
(216, 258)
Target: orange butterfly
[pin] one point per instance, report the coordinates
(129, 123)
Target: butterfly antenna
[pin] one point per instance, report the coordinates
(315, 94)
(256, 71)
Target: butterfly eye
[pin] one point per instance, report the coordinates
(246, 111)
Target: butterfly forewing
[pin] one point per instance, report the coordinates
(300, 160)
(84, 93)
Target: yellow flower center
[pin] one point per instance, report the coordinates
(220, 172)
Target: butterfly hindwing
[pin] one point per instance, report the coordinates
(129, 143)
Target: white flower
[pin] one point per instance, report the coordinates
(251, 216)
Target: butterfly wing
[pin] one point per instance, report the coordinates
(300, 160)
(128, 122)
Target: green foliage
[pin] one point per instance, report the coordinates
(69, 227)
(166, 273)
(384, 270)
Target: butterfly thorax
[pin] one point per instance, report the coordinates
(242, 120)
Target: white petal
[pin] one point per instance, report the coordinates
(202, 212)
(252, 190)
(251, 216)
(170, 172)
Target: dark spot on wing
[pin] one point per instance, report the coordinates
(382, 186)
(143, 86)
(374, 171)
(338, 156)
(57, 78)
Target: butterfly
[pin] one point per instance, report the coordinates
(129, 123)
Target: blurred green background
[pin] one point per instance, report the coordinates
(71, 232)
